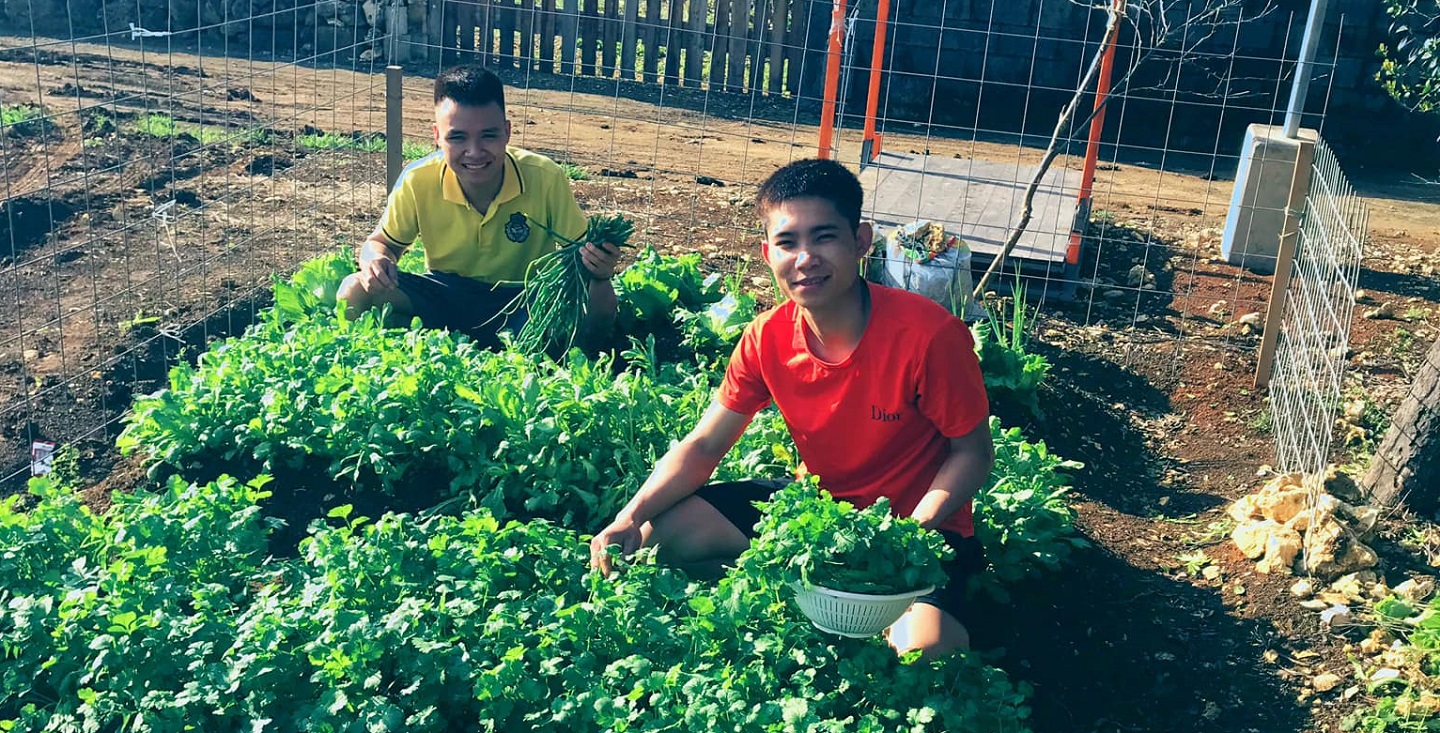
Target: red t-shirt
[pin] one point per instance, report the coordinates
(879, 423)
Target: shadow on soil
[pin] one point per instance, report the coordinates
(1402, 284)
(1110, 647)
(1107, 645)
(1082, 422)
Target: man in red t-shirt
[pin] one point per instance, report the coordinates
(880, 389)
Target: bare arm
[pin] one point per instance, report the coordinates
(602, 262)
(678, 474)
(377, 257)
(960, 477)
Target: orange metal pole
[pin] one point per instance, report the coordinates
(1092, 145)
(877, 61)
(832, 79)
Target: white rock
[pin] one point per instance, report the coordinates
(1252, 537)
(1355, 585)
(1302, 588)
(1280, 551)
(1281, 506)
(1249, 319)
(1382, 675)
(1244, 509)
(1416, 589)
(1325, 682)
(1337, 615)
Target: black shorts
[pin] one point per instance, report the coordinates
(459, 303)
(736, 502)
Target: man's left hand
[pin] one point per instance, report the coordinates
(600, 260)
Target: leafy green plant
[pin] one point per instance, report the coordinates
(575, 172)
(413, 150)
(1410, 66)
(1011, 373)
(167, 611)
(764, 451)
(24, 119)
(1194, 561)
(810, 537)
(65, 468)
(1408, 701)
(717, 328)
(376, 408)
(368, 143)
(654, 287)
(165, 126)
(310, 292)
(1021, 515)
(555, 295)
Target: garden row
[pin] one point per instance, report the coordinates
(178, 610)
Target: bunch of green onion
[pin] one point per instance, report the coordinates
(556, 293)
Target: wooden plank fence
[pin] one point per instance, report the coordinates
(764, 46)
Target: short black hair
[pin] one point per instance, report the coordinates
(813, 178)
(470, 85)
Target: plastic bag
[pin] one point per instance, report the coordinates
(925, 259)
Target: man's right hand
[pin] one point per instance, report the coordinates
(379, 273)
(622, 532)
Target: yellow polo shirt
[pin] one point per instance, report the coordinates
(495, 245)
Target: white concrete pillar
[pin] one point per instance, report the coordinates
(1258, 204)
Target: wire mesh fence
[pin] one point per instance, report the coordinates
(153, 181)
(1320, 301)
(190, 151)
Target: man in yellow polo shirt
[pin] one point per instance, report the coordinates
(485, 211)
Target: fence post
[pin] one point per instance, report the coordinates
(1284, 263)
(870, 142)
(434, 29)
(397, 30)
(832, 79)
(394, 125)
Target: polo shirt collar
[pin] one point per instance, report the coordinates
(510, 188)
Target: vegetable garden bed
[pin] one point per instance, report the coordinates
(473, 610)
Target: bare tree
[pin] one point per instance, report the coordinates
(1177, 29)
(1406, 466)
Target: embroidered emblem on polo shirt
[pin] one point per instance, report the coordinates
(517, 229)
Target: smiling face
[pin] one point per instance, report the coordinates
(813, 251)
(473, 141)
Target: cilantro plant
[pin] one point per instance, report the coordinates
(167, 611)
(811, 537)
(1021, 515)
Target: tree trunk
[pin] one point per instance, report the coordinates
(1406, 467)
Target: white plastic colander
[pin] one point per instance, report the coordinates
(857, 615)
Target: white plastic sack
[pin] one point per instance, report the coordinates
(944, 278)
